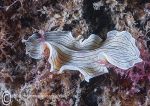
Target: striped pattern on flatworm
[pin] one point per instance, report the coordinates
(86, 56)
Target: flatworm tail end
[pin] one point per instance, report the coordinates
(120, 49)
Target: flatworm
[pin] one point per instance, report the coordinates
(87, 56)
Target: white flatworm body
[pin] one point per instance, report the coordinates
(86, 56)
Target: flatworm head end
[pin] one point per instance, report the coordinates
(35, 46)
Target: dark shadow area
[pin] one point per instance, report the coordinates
(93, 90)
(99, 20)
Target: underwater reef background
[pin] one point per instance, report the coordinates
(30, 82)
